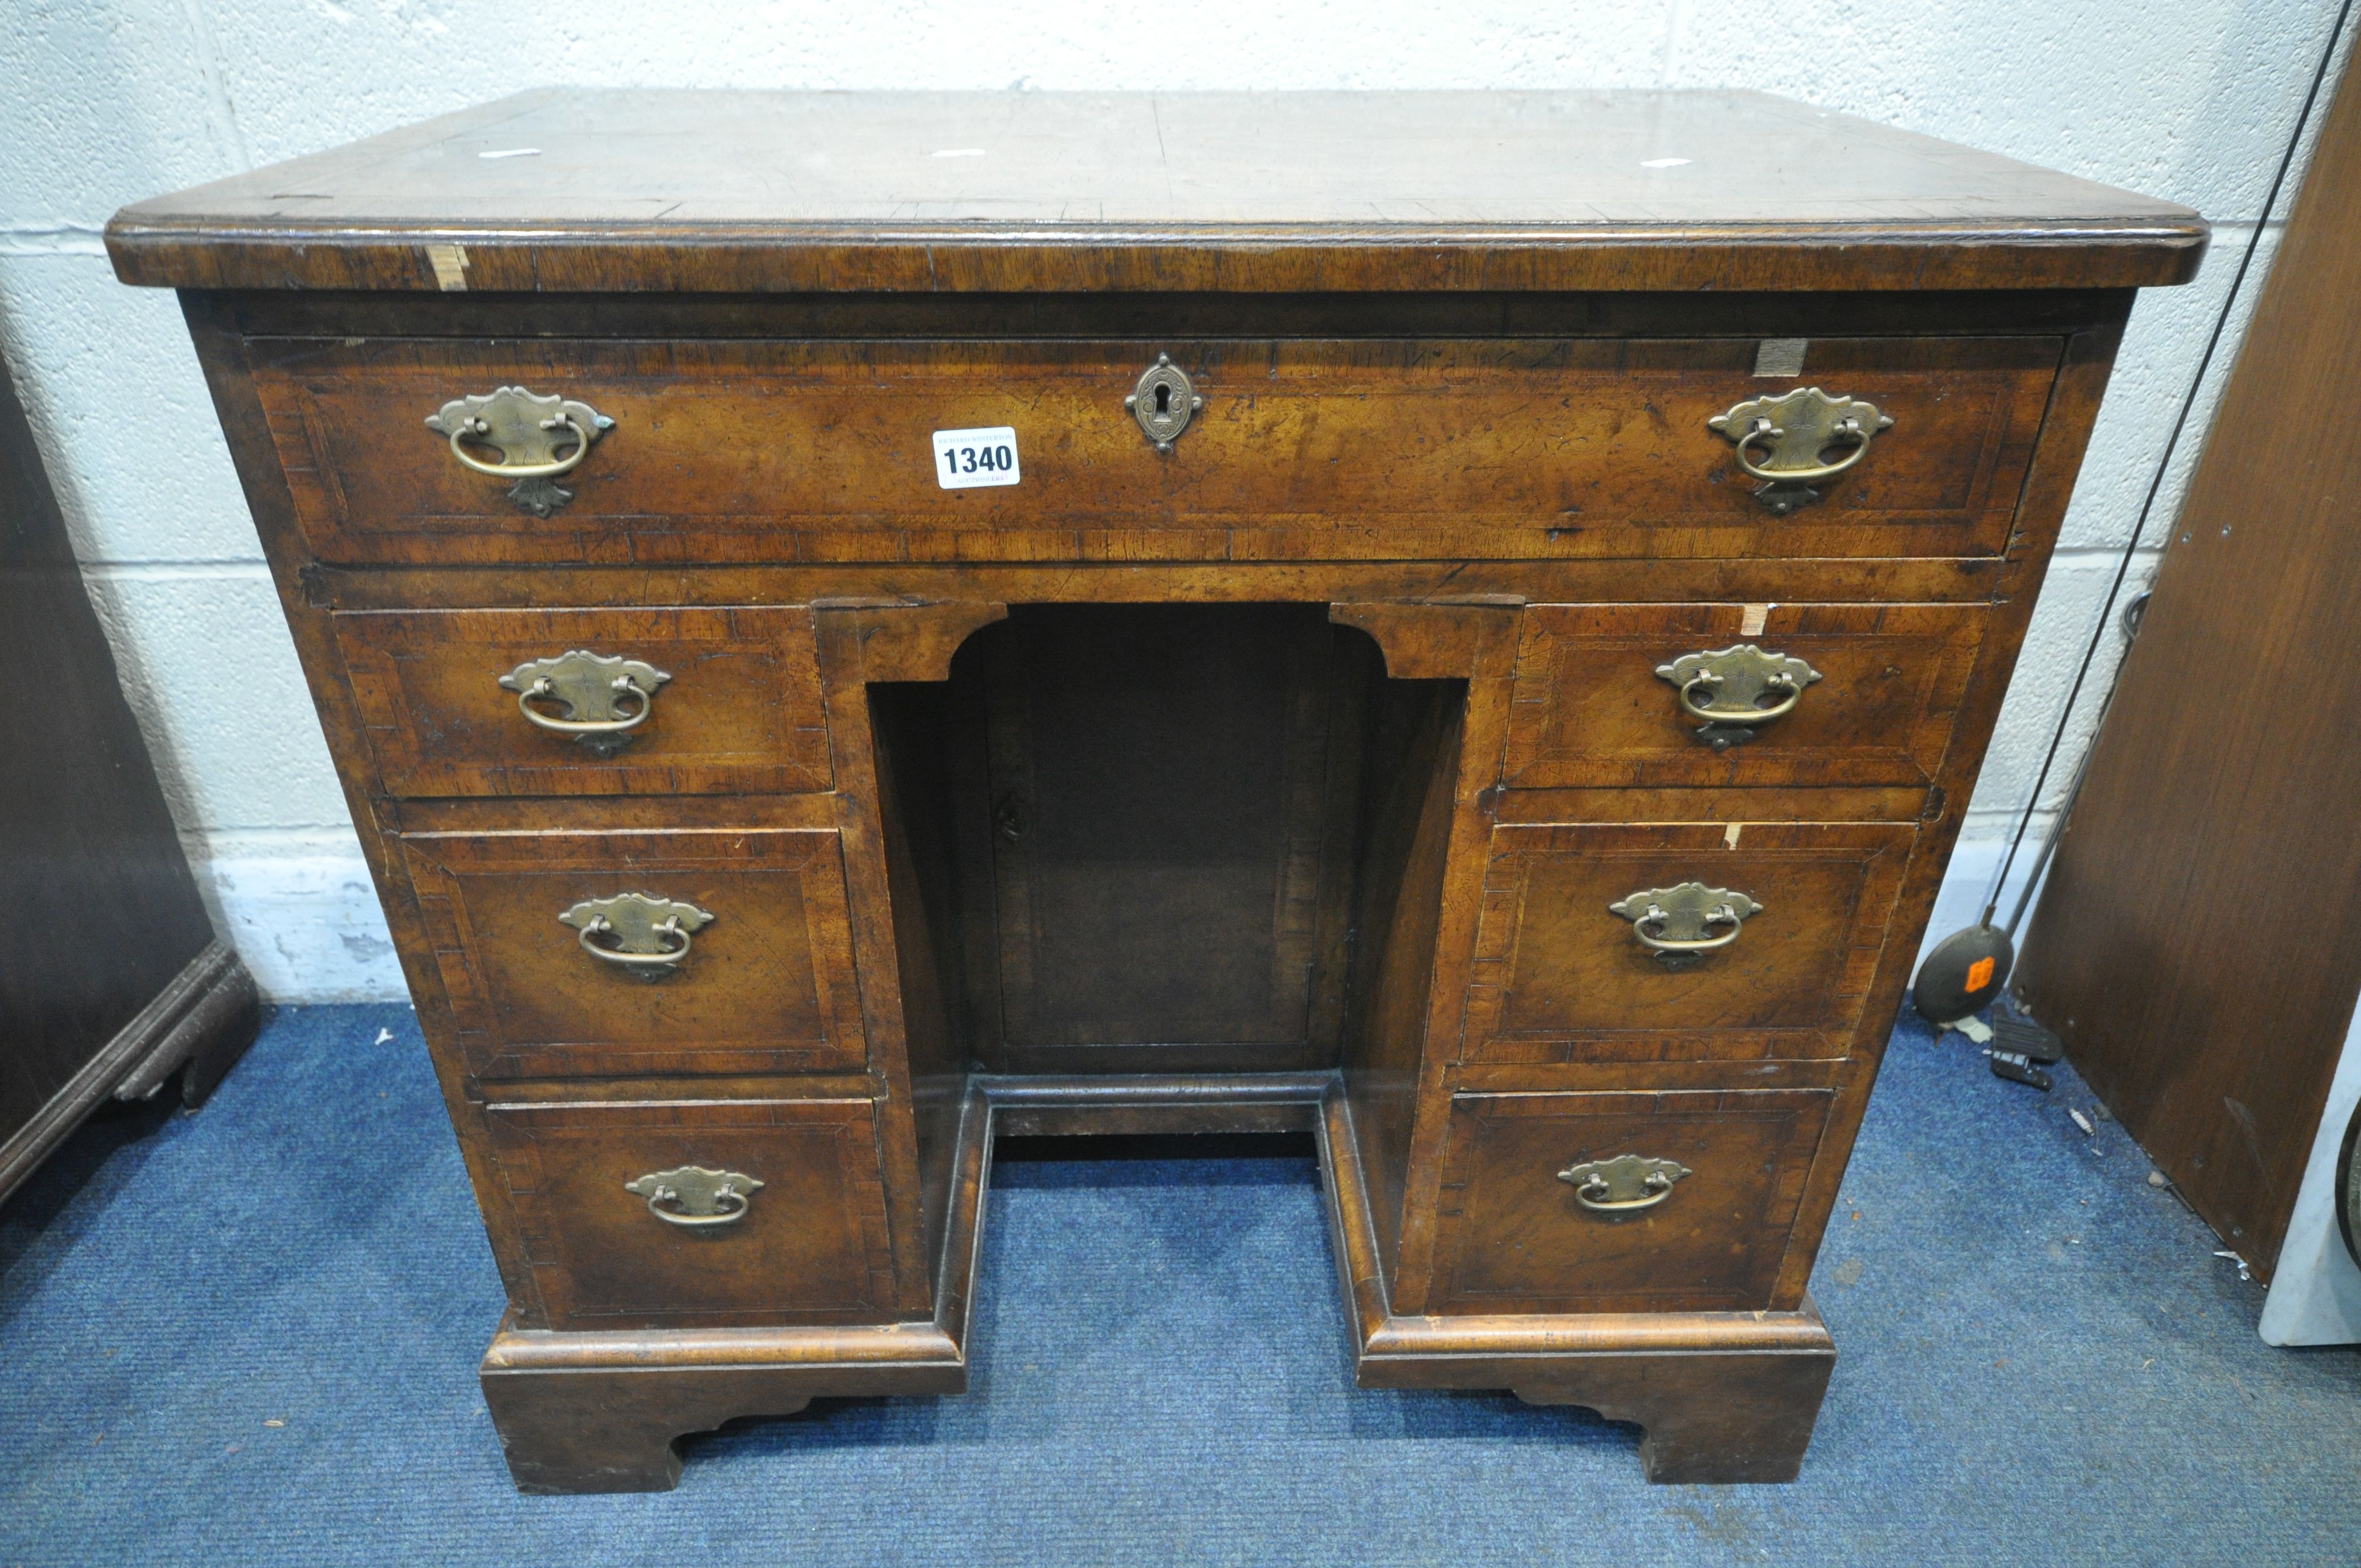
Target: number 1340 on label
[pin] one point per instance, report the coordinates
(965, 458)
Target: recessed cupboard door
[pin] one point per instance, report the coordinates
(1170, 818)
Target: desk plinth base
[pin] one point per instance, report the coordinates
(1722, 1397)
(1736, 1405)
(604, 1411)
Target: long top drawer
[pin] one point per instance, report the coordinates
(722, 451)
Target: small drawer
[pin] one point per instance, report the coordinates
(718, 951)
(1564, 972)
(1697, 695)
(1674, 1201)
(718, 452)
(700, 1216)
(498, 701)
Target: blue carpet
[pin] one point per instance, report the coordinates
(250, 1335)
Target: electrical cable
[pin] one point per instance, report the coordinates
(2156, 485)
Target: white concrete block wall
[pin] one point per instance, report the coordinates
(103, 102)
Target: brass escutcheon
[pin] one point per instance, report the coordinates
(700, 1196)
(1794, 430)
(1624, 1185)
(594, 689)
(1734, 684)
(1682, 916)
(1163, 403)
(646, 937)
(538, 439)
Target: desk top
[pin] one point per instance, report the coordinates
(577, 190)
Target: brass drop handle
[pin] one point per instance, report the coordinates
(479, 430)
(664, 957)
(1655, 916)
(621, 686)
(700, 1198)
(1740, 677)
(1625, 1184)
(1763, 431)
(1682, 916)
(1702, 682)
(724, 1194)
(1592, 1195)
(1793, 430)
(647, 936)
(526, 428)
(594, 689)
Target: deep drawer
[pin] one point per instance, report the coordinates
(1671, 695)
(1623, 1202)
(590, 702)
(623, 1226)
(729, 451)
(1562, 975)
(765, 983)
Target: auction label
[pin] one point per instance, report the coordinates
(965, 458)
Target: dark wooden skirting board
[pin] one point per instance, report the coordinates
(197, 1026)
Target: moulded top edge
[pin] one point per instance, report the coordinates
(574, 190)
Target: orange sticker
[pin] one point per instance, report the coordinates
(1979, 974)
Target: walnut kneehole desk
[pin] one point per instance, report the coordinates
(1482, 624)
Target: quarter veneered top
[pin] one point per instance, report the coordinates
(578, 191)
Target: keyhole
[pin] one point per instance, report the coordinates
(1163, 399)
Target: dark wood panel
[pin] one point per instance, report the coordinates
(2198, 945)
(987, 317)
(917, 803)
(1261, 192)
(1172, 790)
(1413, 762)
(1941, 580)
(108, 913)
(1465, 652)
(863, 645)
